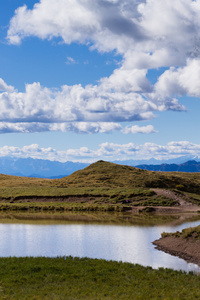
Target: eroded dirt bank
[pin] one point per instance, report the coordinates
(183, 201)
(188, 249)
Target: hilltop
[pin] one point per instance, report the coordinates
(106, 174)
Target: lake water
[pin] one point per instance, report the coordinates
(127, 243)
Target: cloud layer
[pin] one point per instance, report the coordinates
(106, 151)
(148, 34)
(77, 127)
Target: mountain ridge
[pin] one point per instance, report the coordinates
(30, 167)
(190, 166)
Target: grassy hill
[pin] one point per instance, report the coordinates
(100, 186)
(106, 174)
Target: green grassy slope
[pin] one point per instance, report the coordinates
(84, 278)
(100, 186)
(106, 174)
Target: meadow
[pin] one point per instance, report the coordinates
(84, 278)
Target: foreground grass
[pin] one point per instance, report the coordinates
(75, 278)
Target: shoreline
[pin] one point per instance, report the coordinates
(187, 249)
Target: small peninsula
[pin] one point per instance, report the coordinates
(184, 244)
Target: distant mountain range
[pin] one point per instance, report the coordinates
(153, 161)
(38, 167)
(53, 169)
(189, 166)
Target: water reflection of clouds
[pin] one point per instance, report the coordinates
(122, 243)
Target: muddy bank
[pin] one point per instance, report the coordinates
(188, 249)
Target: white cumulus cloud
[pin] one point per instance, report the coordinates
(4, 87)
(180, 81)
(148, 34)
(77, 127)
(74, 104)
(106, 151)
(137, 129)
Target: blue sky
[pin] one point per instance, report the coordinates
(88, 80)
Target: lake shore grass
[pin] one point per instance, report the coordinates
(84, 278)
(191, 232)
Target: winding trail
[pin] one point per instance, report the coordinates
(184, 203)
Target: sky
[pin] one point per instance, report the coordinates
(83, 80)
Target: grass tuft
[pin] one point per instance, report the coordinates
(191, 232)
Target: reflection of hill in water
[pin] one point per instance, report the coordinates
(96, 218)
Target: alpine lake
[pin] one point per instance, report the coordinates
(111, 236)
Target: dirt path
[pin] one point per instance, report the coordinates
(183, 204)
